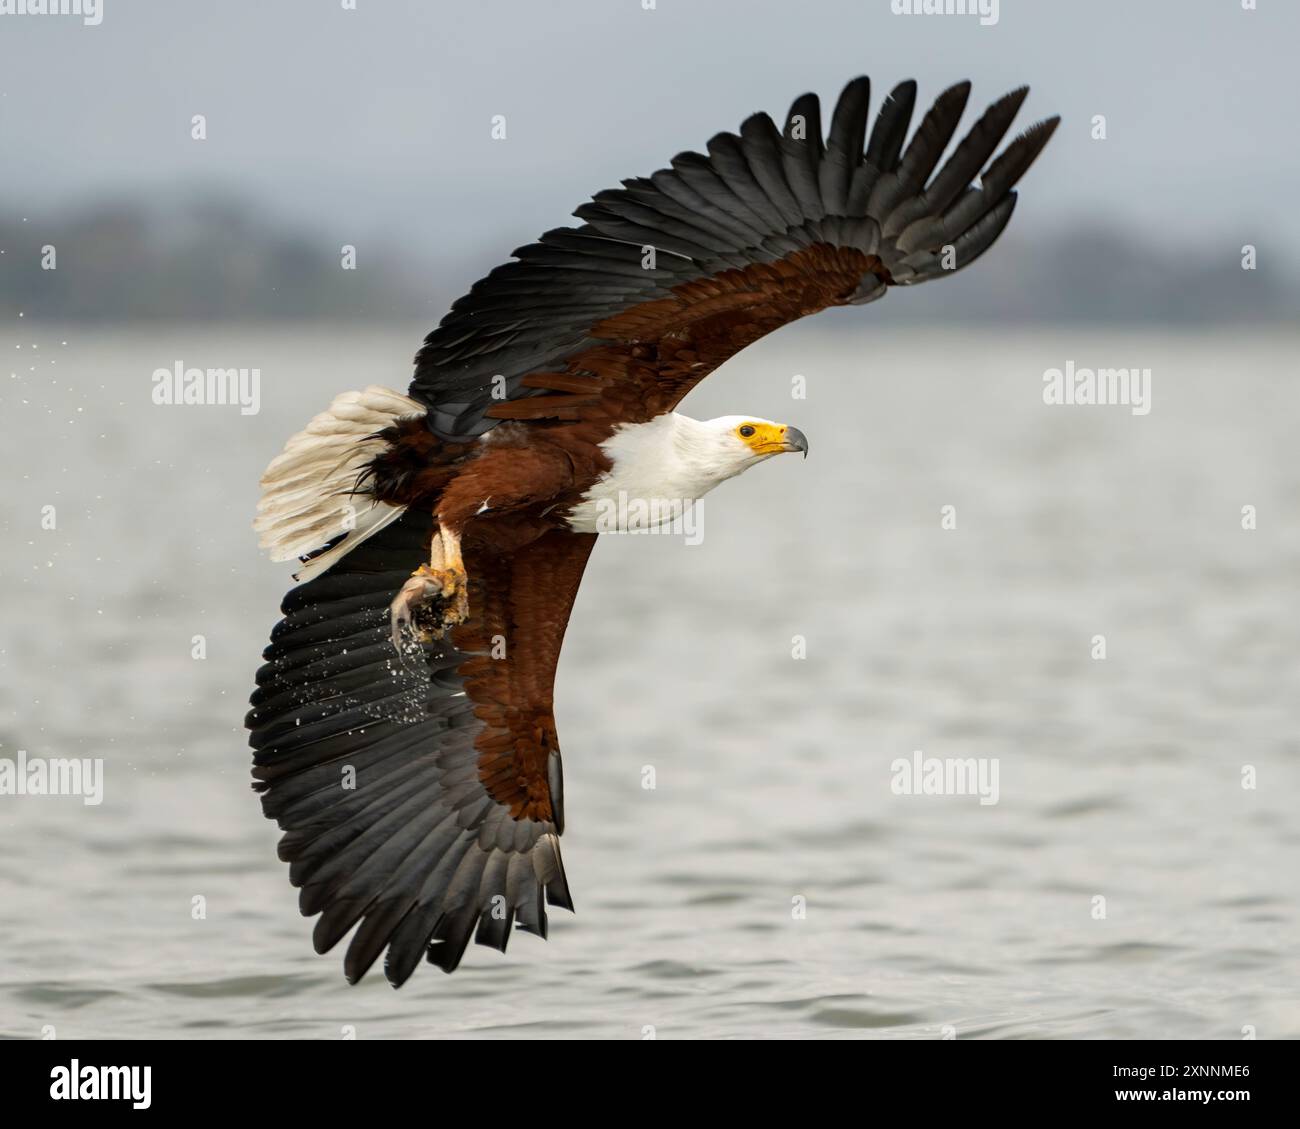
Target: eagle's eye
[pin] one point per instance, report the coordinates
(746, 431)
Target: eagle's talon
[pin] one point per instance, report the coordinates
(426, 586)
(456, 609)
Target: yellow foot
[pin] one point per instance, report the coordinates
(412, 608)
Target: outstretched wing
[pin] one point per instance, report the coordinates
(420, 794)
(670, 275)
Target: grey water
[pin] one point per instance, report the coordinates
(1135, 878)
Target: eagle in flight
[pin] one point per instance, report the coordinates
(402, 724)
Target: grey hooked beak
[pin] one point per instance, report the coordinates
(795, 440)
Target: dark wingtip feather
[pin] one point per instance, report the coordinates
(494, 932)
(557, 893)
(890, 130)
(849, 121)
(373, 936)
(844, 144)
(953, 100)
(809, 107)
(406, 946)
(1047, 126)
(1014, 161)
(447, 951)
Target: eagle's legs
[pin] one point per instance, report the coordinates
(442, 581)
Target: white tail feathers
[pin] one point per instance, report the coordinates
(307, 490)
(368, 522)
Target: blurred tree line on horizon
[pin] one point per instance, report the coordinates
(219, 259)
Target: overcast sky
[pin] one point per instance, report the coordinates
(377, 121)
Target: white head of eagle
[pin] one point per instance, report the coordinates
(674, 460)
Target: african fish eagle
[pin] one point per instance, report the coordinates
(402, 723)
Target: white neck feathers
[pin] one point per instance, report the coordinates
(670, 459)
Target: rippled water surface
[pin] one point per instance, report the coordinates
(1119, 779)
